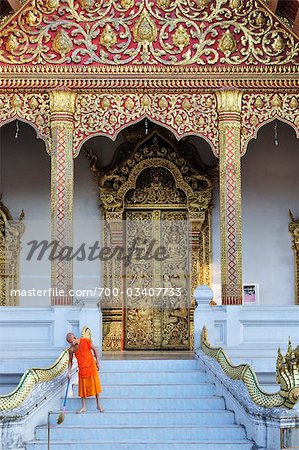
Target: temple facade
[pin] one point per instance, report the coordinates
(149, 181)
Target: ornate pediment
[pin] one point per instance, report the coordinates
(147, 35)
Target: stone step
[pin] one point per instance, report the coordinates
(134, 445)
(155, 377)
(196, 417)
(153, 403)
(142, 433)
(158, 390)
(144, 365)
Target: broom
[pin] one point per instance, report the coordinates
(62, 414)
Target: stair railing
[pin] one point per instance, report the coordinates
(287, 375)
(34, 383)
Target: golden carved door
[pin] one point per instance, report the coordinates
(164, 197)
(157, 300)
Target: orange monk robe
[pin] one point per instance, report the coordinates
(89, 383)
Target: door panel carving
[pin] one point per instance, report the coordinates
(164, 195)
(160, 320)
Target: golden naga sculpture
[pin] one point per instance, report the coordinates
(287, 375)
(34, 376)
(294, 230)
(30, 378)
(11, 232)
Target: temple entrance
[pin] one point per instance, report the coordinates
(157, 315)
(157, 207)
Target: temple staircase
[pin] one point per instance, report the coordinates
(149, 405)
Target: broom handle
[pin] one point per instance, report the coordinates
(66, 392)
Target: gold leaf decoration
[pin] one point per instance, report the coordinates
(127, 4)
(186, 104)
(87, 4)
(181, 37)
(278, 44)
(16, 101)
(145, 29)
(108, 37)
(235, 4)
(201, 4)
(294, 103)
(164, 4)
(227, 43)
(52, 4)
(163, 103)
(62, 43)
(12, 44)
(276, 101)
(129, 104)
(259, 102)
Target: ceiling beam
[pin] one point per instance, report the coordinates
(15, 4)
(273, 5)
(296, 24)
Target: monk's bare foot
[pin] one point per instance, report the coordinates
(81, 411)
(100, 408)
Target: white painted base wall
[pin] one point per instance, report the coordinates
(35, 337)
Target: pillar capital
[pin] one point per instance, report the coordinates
(229, 101)
(63, 102)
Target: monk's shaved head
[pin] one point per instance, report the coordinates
(70, 337)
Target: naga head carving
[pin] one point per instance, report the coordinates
(287, 375)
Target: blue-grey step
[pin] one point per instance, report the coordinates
(139, 445)
(145, 365)
(149, 417)
(149, 405)
(144, 404)
(158, 390)
(145, 433)
(148, 377)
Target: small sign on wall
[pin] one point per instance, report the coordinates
(251, 294)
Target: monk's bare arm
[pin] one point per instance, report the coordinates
(96, 355)
(71, 354)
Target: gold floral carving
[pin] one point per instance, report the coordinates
(62, 101)
(181, 37)
(164, 4)
(261, 109)
(127, 4)
(62, 43)
(107, 114)
(294, 230)
(87, 4)
(11, 232)
(32, 108)
(167, 33)
(145, 29)
(108, 37)
(227, 43)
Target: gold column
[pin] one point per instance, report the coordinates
(229, 109)
(62, 180)
(294, 230)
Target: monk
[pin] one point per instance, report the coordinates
(89, 365)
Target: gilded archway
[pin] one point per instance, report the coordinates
(154, 195)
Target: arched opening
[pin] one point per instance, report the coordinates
(25, 185)
(147, 177)
(270, 188)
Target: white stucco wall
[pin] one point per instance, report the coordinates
(270, 187)
(25, 184)
(87, 224)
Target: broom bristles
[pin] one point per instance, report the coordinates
(60, 418)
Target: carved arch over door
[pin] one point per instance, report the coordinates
(157, 181)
